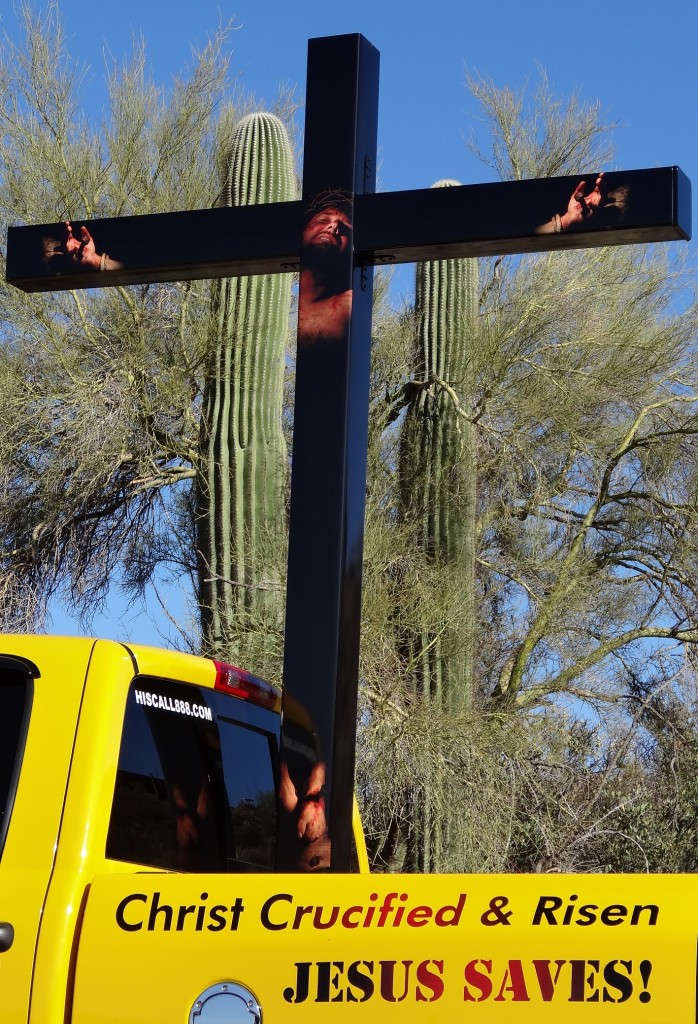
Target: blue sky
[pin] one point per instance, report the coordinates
(637, 58)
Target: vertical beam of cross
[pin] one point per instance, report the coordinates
(321, 653)
(346, 229)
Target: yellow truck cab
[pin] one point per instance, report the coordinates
(137, 790)
(108, 752)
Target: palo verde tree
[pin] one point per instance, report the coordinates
(580, 399)
(102, 391)
(588, 421)
(583, 403)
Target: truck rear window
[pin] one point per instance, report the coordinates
(16, 688)
(195, 782)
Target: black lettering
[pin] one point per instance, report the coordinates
(235, 911)
(156, 909)
(618, 981)
(217, 915)
(121, 920)
(302, 984)
(653, 912)
(182, 915)
(547, 905)
(335, 980)
(357, 978)
(200, 913)
(300, 914)
(613, 915)
(326, 978)
(266, 907)
(587, 914)
(645, 968)
(570, 910)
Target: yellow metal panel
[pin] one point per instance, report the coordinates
(81, 848)
(392, 948)
(152, 661)
(28, 856)
(58, 834)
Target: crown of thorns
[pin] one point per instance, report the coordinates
(336, 199)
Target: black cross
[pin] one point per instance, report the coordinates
(347, 230)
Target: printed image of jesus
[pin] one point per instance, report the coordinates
(324, 304)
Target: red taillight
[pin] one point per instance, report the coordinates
(230, 679)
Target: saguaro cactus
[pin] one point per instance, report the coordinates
(243, 459)
(437, 473)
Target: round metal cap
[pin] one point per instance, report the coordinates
(226, 1003)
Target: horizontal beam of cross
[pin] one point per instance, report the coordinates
(343, 230)
(390, 227)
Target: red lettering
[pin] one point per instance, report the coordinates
(581, 979)
(347, 915)
(450, 915)
(317, 917)
(431, 980)
(546, 981)
(514, 982)
(388, 980)
(419, 916)
(478, 980)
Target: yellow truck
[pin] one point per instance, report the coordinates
(138, 795)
